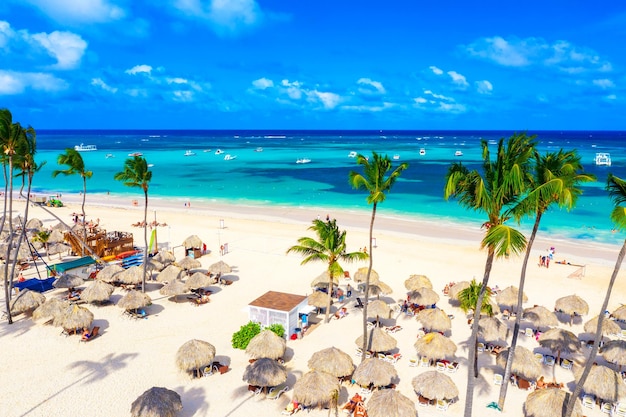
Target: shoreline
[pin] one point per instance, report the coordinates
(408, 225)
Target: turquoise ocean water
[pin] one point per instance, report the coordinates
(264, 171)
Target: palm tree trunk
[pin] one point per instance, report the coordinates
(8, 280)
(594, 350)
(367, 284)
(518, 315)
(329, 298)
(145, 240)
(472, 374)
(84, 218)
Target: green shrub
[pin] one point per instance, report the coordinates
(277, 328)
(246, 332)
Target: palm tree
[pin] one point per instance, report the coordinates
(556, 180)
(377, 180)
(137, 174)
(75, 166)
(330, 247)
(501, 183)
(468, 299)
(617, 192)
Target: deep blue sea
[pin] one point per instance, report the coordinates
(264, 171)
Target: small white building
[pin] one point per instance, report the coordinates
(279, 307)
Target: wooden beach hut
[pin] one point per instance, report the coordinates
(279, 307)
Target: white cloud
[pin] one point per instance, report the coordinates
(376, 85)
(183, 96)
(458, 79)
(435, 70)
(515, 52)
(137, 92)
(137, 69)
(176, 80)
(420, 100)
(226, 16)
(12, 82)
(439, 103)
(66, 47)
(611, 97)
(80, 11)
(329, 100)
(263, 83)
(98, 82)
(484, 87)
(604, 83)
(6, 33)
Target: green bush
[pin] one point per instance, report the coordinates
(241, 338)
(277, 328)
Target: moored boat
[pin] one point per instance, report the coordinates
(135, 154)
(303, 161)
(85, 148)
(189, 153)
(603, 159)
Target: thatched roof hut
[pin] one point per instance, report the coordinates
(98, 292)
(434, 319)
(26, 300)
(194, 355)
(377, 340)
(435, 346)
(332, 361)
(266, 344)
(524, 363)
(373, 371)
(415, 282)
(156, 402)
(316, 388)
(549, 402)
(435, 386)
(265, 372)
(390, 403)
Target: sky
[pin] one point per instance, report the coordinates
(323, 64)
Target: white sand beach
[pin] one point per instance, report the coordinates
(47, 374)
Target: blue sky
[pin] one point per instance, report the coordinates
(323, 64)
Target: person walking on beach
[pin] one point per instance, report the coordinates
(349, 291)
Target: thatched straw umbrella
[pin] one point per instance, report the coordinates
(435, 386)
(173, 289)
(540, 317)
(377, 340)
(220, 267)
(156, 402)
(188, 263)
(332, 361)
(453, 291)
(133, 300)
(378, 287)
(165, 257)
(508, 297)
(423, 296)
(322, 280)
(614, 351)
(374, 372)
(74, 317)
(415, 282)
(170, 273)
(60, 226)
(98, 292)
(318, 299)
(34, 224)
(68, 281)
(619, 313)
(56, 236)
(571, 305)
(154, 265)
(434, 319)
(265, 372)
(316, 389)
(192, 242)
(560, 341)
(266, 344)
(435, 346)
(604, 383)
(51, 308)
(198, 280)
(378, 308)
(26, 300)
(361, 275)
(390, 403)
(195, 355)
(524, 363)
(609, 327)
(491, 329)
(110, 273)
(57, 249)
(549, 402)
(132, 276)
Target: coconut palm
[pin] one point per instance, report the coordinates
(556, 180)
(468, 298)
(330, 247)
(75, 166)
(137, 175)
(501, 183)
(617, 192)
(377, 179)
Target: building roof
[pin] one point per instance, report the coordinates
(275, 300)
(76, 263)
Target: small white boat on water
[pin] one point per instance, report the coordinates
(422, 151)
(85, 148)
(229, 157)
(603, 159)
(189, 153)
(458, 153)
(259, 149)
(109, 155)
(135, 154)
(219, 152)
(303, 161)
(352, 154)
(396, 157)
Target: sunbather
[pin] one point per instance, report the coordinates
(350, 405)
(86, 334)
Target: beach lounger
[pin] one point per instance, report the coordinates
(442, 405)
(424, 362)
(480, 347)
(423, 401)
(413, 362)
(620, 410)
(497, 379)
(207, 371)
(276, 391)
(452, 367)
(359, 303)
(549, 360)
(566, 364)
(92, 334)
(539, 358)
(529, 332)
(589, 401)
(440, 366)
(254, 389)
(606, 408)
